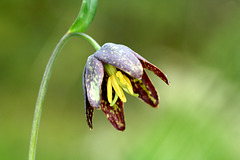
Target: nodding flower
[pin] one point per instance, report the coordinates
(111, 71)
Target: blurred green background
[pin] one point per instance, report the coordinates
(195, 42)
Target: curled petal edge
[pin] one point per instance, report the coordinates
(149, 66)
(121, 57)
(87, 107)
(93, 81)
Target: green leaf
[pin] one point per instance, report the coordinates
(85, 16)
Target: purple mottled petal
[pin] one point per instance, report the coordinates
(115, 114)
(89, 115)
(121, 57)
(93, 79)
(88, 109)
(146, 90)
(146, 64)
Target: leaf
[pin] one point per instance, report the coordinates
(85, 16)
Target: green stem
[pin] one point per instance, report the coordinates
(89, 39)
(44, 84)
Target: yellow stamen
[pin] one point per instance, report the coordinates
(129, 84)
(109, 90)
(117, 88)
(118, 82)
(121, 78)
(125, 81)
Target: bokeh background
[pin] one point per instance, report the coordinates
(195, 42)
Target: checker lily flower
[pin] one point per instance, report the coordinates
(111, 71)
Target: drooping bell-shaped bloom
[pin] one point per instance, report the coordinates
(111, 71)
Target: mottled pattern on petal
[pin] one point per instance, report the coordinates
(146, 64)
(89, 114)
(121, 57)
(145, 89)
(115, 114)
(87, 107)
(93, 79)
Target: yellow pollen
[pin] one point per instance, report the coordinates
(113, 83)
(129, 84)
(125, 81)
(121, 78)
(119, 82)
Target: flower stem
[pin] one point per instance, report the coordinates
(89, 39)
(44, 84)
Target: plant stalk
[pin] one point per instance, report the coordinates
(44, 84)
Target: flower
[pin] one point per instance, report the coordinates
(111, 70)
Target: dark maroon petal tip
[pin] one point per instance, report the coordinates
(89, 115)
(146, 64)
(114, 114)
(156, 71)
